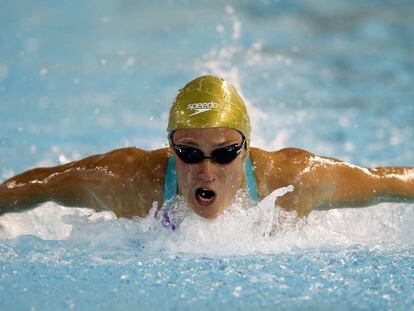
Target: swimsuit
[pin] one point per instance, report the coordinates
(170, 186)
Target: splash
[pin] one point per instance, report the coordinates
(244, 228)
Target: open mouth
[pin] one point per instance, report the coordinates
(205, 197)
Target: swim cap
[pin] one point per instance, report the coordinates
(208, 102)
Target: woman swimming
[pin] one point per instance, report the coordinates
(209, 159)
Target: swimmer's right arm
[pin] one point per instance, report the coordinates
(65, 184)
(127, 181)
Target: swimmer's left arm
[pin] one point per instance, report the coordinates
(338, 184)
(325, 183)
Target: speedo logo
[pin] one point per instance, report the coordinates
(201, 107)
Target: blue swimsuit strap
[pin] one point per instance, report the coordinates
(170, 182)
(250, 180)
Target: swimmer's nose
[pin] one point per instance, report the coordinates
(207, 171)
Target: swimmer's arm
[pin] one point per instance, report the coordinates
(331, 183)
(326, 183)
(357, 186)
(68, 184)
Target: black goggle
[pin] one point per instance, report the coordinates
(222, 155)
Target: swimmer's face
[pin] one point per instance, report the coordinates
(209, 187)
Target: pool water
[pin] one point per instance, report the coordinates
(80, 78)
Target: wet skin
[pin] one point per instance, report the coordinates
(129, 181)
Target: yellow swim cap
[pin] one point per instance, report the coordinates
(208, 102)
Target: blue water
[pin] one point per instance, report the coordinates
(79, 78)
(315, 279)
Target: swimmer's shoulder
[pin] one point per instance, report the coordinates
(136, 179)
(275, 169)
(134, 154)
(132, 159)
(279, 157)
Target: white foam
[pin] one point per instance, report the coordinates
(46, 221)
(242, 229)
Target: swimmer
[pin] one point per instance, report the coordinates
(208, 160)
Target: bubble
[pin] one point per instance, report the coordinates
(43, 72)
